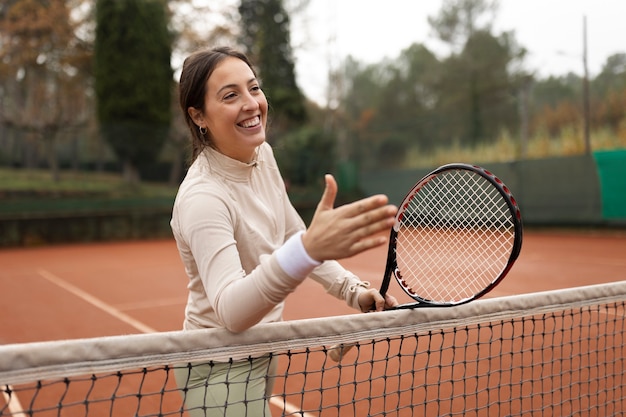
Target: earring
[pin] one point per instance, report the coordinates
(202, 130)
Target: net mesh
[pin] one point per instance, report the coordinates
(554, 353)
(456, 237)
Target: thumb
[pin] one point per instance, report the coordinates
(327, 201)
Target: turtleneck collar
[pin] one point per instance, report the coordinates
(227, 167)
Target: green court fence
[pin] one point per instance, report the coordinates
(587, 190)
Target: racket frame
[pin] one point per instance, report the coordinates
(391, 267)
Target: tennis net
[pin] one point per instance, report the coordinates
(556, 353)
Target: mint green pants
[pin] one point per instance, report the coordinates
(236, 389)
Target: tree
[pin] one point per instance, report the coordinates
(306, 156)
(44, 70)
(194, 25)
(133, 79)
(552, 90)
(492, 86)
(458, 20)
(556, 103)
(197, 24)
(390, 107)
(479, 78)
(409, 98)
(612, 78)
(358, 109)
(418, 102)
(266, 37)
(609, 93)
(609, 89)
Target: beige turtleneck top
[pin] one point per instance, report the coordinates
(232, 223)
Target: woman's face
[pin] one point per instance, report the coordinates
(235, 110)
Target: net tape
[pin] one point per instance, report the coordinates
(64, 361)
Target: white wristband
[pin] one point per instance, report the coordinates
(294, 259)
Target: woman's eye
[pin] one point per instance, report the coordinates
(229, 96)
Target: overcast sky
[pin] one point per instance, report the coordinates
(551, 30)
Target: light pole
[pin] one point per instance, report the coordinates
(585, 90)
(586, 116)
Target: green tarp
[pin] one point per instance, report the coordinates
(611, 167)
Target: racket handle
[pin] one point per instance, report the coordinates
(337, 352)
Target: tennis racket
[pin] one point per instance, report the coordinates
(456, 235)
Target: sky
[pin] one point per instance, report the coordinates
(551, 31)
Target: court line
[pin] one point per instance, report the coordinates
(96, 302)
(290, 409)
(13, 403)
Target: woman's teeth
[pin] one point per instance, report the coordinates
(250, 122)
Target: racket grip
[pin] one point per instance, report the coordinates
(337, 352)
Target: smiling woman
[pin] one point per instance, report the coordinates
(243, 245)
(234, 112)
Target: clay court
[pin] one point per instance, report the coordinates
(105, 289)
(79, 291)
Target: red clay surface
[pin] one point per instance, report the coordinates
(81, 291)
(51, 293)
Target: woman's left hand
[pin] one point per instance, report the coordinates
(372, 300)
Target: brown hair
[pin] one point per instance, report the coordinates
(197, 69)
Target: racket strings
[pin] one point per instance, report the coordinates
(455, 237)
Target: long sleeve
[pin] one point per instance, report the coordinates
(239, 298)
(231, 221)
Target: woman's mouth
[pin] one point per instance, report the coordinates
(255, 121)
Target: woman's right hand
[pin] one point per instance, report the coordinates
(341, 232)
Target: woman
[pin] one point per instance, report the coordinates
(243, 245)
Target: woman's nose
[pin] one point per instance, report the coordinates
(250, 103)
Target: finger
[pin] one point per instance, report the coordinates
(371, 300)
(390, 301)
(337, 352)
(370, 229)
(366, 244)
(379, 302)
(365, 205)
(369, 223)
(383, 215)
(327, 202)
